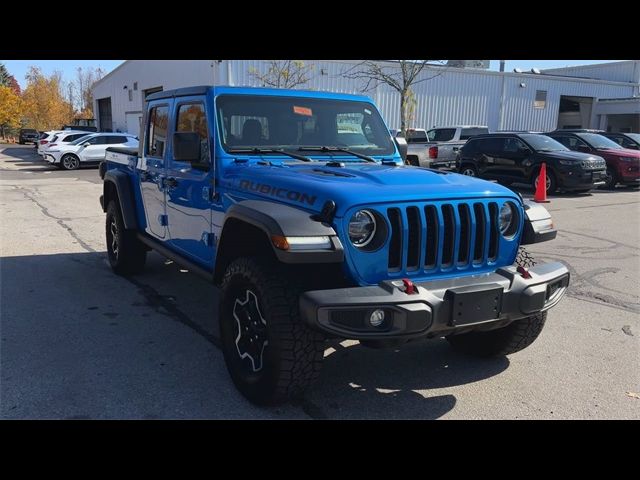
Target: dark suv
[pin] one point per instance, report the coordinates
(517, 157)
(623, 164)
(28, 135)
(625, 140)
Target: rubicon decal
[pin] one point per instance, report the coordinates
(278, 192)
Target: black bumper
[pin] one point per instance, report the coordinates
(582, 179)
(438, 306)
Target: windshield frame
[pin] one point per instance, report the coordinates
(379, 151)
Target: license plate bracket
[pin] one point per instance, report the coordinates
(474, 304)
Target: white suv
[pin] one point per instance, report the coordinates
(61, 138)
(90, 148)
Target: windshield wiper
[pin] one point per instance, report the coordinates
(256, 150)
(337, 149)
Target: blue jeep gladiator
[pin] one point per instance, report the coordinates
(299, 206)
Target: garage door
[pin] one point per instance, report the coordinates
(104, 114)
(133, 120)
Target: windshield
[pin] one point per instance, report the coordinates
(293, 123)
(634, 136)
(543, 143)
(82, 139)
(598, 141)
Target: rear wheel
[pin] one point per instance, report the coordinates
(127, 255)
(271, 355)
(516, 336)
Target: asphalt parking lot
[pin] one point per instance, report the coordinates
(78, 342)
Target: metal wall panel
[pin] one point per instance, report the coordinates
(628, 71)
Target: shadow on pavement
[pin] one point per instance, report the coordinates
(79, 341)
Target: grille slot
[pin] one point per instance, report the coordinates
(431, 256)
(481, 228)
(449, 235)
(413, 234)
(493, 231)
(465, 234)
(395, 243)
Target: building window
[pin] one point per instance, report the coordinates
(541, 99)
(135, 85)
(130, 95)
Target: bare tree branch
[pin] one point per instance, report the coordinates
(284, 73)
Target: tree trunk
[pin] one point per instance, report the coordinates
(403, 112)
(2, 130)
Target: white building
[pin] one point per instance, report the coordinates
(605, 96)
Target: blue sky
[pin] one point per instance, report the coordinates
(18, 68)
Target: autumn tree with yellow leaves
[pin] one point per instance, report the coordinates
(44, 105)
(10, 109)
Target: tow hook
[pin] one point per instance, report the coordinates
(409, 287)
(523, 272)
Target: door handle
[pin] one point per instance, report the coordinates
(170, 182)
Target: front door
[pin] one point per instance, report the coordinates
(189, 187)
(151, 170)
(94, 152)
(512, 160)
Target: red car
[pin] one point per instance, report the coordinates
(623, 164)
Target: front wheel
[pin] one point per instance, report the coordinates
(469, 170)
(271, 355)
(552, 184)
(70, 162)
(610, 179)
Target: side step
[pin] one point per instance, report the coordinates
(183, 262)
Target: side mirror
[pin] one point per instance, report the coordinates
(401, 143)
(86, 144)
(186, 147)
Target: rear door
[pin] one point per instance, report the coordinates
(490, 151)
(510, 163)
(151, 168)
(189, 186)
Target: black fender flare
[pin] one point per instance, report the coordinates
(122, 183)
(286, 221)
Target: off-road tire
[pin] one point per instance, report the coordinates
(516, 336)
(127, 255)
(291, 360)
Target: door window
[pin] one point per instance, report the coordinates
(192, 118)
(513, 145)
(157, 131)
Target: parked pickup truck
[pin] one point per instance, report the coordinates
(313, 234)
(439, 147)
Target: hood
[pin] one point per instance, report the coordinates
(311, 185)
(570, 155)
(621, 152)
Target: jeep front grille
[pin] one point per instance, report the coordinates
(441, 237)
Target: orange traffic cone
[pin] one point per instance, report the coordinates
(541, 189)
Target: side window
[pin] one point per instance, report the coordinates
(441, 134)
(563, 140)
(467, 133)
(101, 140)
(192, 118)
(493, 145)
(116, 139)
(157, 133)
(513, 145)
(575, 142)
(626, 143)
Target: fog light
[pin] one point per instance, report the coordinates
(376, 318)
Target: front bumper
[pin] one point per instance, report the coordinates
(581, 179)
(437, 307)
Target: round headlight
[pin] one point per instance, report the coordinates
(362, 228)
(508, 217)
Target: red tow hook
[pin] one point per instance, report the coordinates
(409, 287)
(523, 271)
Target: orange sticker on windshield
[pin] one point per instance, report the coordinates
(303, 111)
